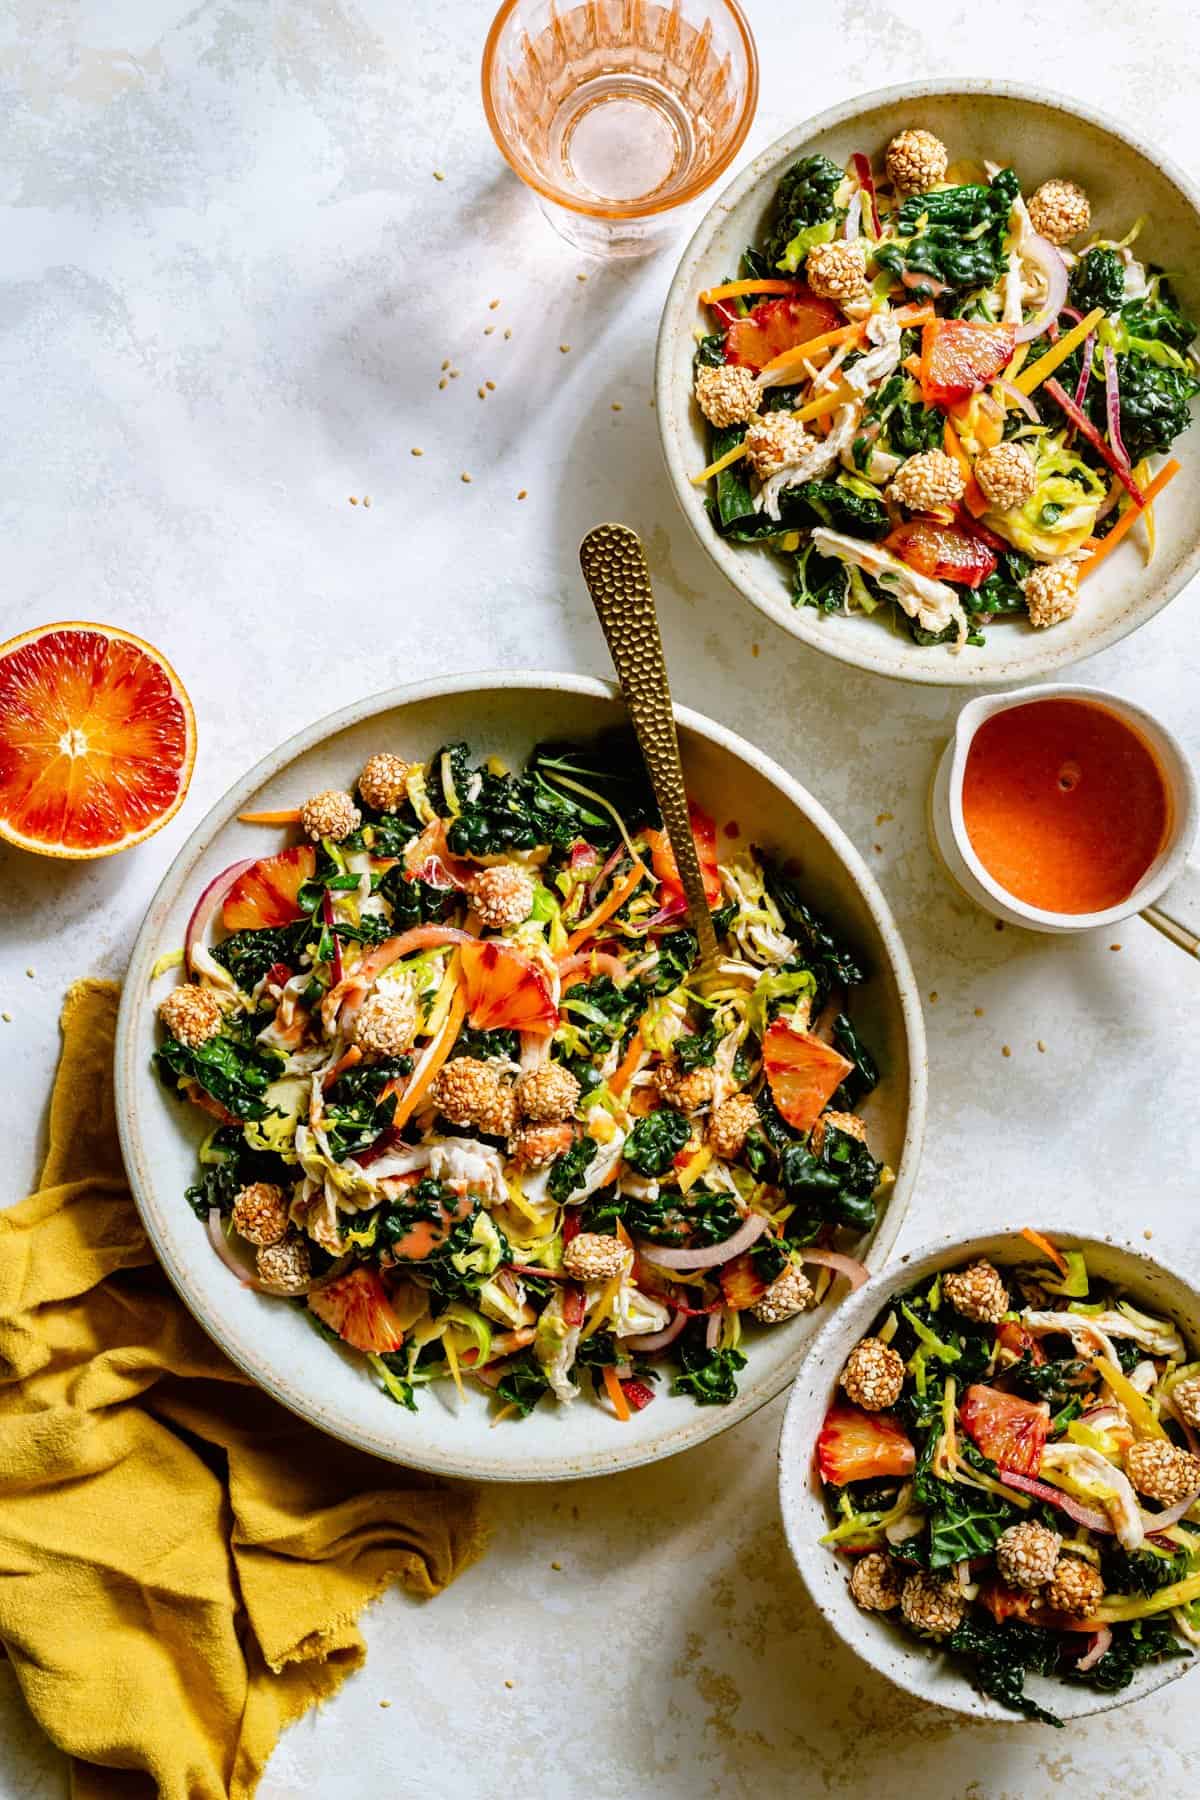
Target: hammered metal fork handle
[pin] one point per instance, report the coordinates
(618, 579)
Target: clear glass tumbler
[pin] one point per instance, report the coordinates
(615, 112)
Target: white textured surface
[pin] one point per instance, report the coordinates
(229, 281)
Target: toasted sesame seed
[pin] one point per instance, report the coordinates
(564, 348)
(508, 1684)
(1114, 946)
(878, 849)
(884, 818)
(556, 1565)
(581, 278)
(446, 363)
(366, 499)
(438, 175)
(1147, 1233)
(488, 330)
(1041, 1046)
(521, 493)
(508, 331)
(454, 374)
(754, 649)
(354, 499)
(385, 1703)
(616, 406)
(464, 476)
(1006, 1050)
(979, 1012)
(416, 452)
(492, 305)
(7, 1017)
(933, 997)
(482, 392)
(490, 386)
(31, 973)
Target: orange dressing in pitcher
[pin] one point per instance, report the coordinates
(1065, 804)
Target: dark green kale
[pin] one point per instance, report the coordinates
(596, 1351)
(235, 1074)
(696, 1050)
(709, 1376)
(835, 1185)
(1133, 1646)
(355, 1115)
(570, 1169)
(946, 242)
(1003, 1655)
(523, 1384)
(832, 504)
(1160, 319)
(804, 197)
(732, 507)
(237, 1165)
(610, 768)
(399, 1388)
(820, 581)
(249, 954)
(965, 1522)
(1000, 592)
(428, 1202)
(502, 816)
(912, 428)
(446, 778)
(601, 1012)
(1141, 1571)
(656, 1140)
(696, 1219)
(866, 1070)
(677, 952)
(1098, 279)
(710, 351)
(1155, 402)
(819, 950)
(1056, 1381)
(459, 1267)
(414, 902)
(502, 1045)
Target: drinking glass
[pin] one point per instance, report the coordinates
(615, 112)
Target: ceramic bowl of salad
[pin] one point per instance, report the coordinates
(990, 1475)
(432, 1127)
(926, 391)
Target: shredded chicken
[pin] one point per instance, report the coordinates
(883, 332)
(819, 456)
(1104, 1482)
(933, 604)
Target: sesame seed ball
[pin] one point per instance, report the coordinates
(260, 1213)
(382, 782)
(775, 441)
(1162, 1471)
(977, 1293)
(536, 1145)
(591, 1257)
(729, 1125)
(502, 896)
(874, 1375)
(838, 270)
(1026, 1555)
(1051, 592)
(1186, 1398)
(191, 1014)
(547, 1094)
(285, 1266)
(787, 1295)
(1006, 475)
(1076, 1588)
(1059, 211)
(932, 1605)
(685, 1091)
(916, 161)
(473, 1093)
(727, 395)
(875, 1582)
(331, 814)
(387, 1020)
(928, 481)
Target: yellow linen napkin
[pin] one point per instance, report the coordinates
(181, 1560)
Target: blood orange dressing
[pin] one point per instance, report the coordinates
(1065, 804)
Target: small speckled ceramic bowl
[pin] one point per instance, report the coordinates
(506, 713)
(1041, 135)
(921, 1670)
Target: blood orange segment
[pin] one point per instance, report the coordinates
(704, 835)
(943, 552)
(97, 740)
(505, 990)
(803, 1073)
(266, 893)
(357, 1307)
(860, 1446)
(958, 356)
(778, 325)
(1009, 1430)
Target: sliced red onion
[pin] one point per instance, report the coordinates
(854, 214)
(1072, 313)
(856, 1273)
(594, 887)
(1085, 373)
(202, 912)
(597, 962)
(1097, 1647)
(1112, 403)
(861, 165)
(1164, 1520)
(1089, 1516)
(1012, 392)
(335, 966)
(712, 1329)
(747, 1233)
(656, 1340)
(225, 1250)
(1040, 251)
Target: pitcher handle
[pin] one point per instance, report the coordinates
(1176, 913)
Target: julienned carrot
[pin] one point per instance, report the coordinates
(733, 290)
(1037, 372)
(351, 1060)
(418, 1086)
(283, 815)
(627, 1067)
(616, 899)
(974, 498)
(1167, 473)
(912, 366)
(798, 352)
(1047, 1249)
(613, 1389)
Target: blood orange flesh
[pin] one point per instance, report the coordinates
(97, 740)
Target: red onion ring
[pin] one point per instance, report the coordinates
(592, 891)
(597, 962)
(1164, 1520)
(225, 1249)
(1012, 392)
(1090, 1516)
(656, 1340)
(856, 1273)
(747, 1233)
(1085, 373)
(1040, 251)
(208, 903)
(1101, 1640)
(1112, 404)
(712, 1329)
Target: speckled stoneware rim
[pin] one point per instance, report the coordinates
(926, 1673)
(885, 653)
(397, 1435)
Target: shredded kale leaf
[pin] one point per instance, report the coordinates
(945, 246)
(697, 1219)
(1141, 1571)
(1133, 1646)
(1003, 1655)
(221, 1181)
(804, 198)
(819, 950)
(830, 503)
(656, 1140)
(570, 1170)
(676, 954)
(865, 1075)
(249, 954)
(709, 1376)
(236, 1074)
(965, 1522)
(1098, 279)
(1155, 404)
(696, 1050)
(414, 902)
(523, 1384)
(818, 580)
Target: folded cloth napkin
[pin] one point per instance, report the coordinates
(181, 1561)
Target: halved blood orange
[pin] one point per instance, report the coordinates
(97, 740)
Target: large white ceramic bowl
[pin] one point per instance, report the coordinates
(921, 1670)
(506, 713)
(1041, 135)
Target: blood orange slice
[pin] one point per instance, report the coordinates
(97, 740)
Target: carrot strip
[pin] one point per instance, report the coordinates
(627, 1067)
(1045, 365)
(722, 462)
(916, 314)
(1167, 473)
(1047, 1249)
(417, 1087)
(614, 903)
(974, 498)
(733, 290)
(843, 335)
(912, 365)
(351, 1059)
(612, 1388)
(283, 815)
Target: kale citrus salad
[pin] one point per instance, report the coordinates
(472, 1110)
(927, 390)
(1013, 1470)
